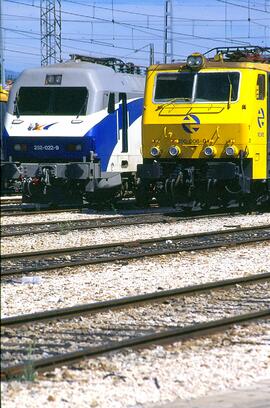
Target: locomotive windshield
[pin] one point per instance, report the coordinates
(51, 101)
(197, 87)
(174, 86)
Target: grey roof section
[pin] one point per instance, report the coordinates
(96, 77)
(77, 73)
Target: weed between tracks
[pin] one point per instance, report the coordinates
(29, 373)
(65, 227)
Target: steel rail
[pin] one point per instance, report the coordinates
(10, 200)
(112, 252)
(166, 336)
(84, 224)
(138, 242)
(37, 209)
(10, 230)
(16, 213)
(126, 302)
(12, 212)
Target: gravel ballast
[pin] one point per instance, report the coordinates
(125, 233)
(238, 358)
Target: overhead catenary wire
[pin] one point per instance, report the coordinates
(138, 27)
(124, 24)
(231, 3)
(147, 26)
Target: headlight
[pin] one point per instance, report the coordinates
(231, 151)
(155, 151)
(53, 79)
(174, 151)
(191, 61)
(74, 147)
(20, 147)
(196, 60)
(210, 151)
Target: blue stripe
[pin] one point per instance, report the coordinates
(105, 132)
(101, 139)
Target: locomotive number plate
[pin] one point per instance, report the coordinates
(46, 147)
(189, 141)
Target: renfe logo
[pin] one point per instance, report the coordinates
(260, 118)
(36, 126)
(191, 123)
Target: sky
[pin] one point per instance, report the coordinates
(125, 28)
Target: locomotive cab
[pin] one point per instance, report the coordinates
(206, 130)
(72, 130)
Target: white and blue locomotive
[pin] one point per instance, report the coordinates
(72, 130)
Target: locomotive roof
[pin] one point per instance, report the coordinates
(212, 64)
(79, 73)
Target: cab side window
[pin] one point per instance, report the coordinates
(260, 90)
(123, 100)
(111, 103)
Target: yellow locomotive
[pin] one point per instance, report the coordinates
(206, 134)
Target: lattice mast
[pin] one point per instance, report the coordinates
(2, 59)
(50, 28)
(168, 38)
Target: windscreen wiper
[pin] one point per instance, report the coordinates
(230, 92)
(83, 106)
(16, 107)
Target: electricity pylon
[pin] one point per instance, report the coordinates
(50, 28)
(168, 39)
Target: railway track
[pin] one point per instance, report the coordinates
(18, 211)
(129, 301)
(14, 209)
(85, 224)
(10, 200)
(167, 337)
(10, 230)
(240, 294)
(27, 262)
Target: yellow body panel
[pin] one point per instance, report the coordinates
(3, 95)
(194, 126)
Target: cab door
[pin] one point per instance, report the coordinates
(259, 125)
(124, 121)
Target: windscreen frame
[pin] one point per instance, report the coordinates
(193, 99)
(67, 104)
